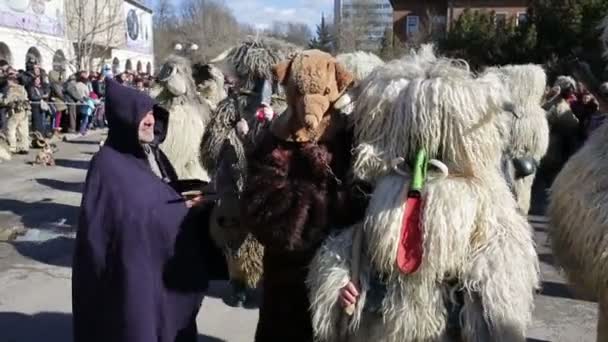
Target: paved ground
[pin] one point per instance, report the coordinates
(35, 274)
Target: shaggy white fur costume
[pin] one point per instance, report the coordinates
(529, 126)
(360, 64)
(189, 114)
(577, 211)
(473, 233)
(210, 84)
(4, 150)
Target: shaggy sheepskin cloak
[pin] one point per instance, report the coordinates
(140, 267)
(291, 201)
(478, 269)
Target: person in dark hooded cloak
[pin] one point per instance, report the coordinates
(141, 262)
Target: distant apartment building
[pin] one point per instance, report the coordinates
(371, 18)
(410, 17)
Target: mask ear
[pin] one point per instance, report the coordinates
(343, 77)
(281, 70)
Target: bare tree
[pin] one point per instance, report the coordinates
(165, 29)
(296, 33)
(209, 24)
(95, 27)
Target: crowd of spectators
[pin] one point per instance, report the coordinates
(65, 104)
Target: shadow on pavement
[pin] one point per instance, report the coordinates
(206, 338)
(74, 164)
(82, 142)
(547, 259)
(57, 251)
(553, 289)
(535, 340)
(61, 185)
(47, 326)
(43, 326)
(42, 213)
(47, 224)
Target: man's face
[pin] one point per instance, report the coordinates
(146, 129)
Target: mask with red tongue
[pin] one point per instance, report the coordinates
(410, 251)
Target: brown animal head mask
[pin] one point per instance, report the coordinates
(314, 81)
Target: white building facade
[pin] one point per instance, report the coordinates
(35, 30)
(40, 29)
(137, 53)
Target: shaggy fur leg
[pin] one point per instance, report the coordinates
(523, 189)
(476, 328)
(506, 290)
(241, 293)
(331, 273)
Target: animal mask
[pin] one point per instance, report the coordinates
(314, 81)
(176, 76)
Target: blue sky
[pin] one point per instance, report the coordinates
(262, 13)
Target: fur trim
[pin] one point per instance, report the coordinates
(482, 241)
(489, 248)
(577, 215)
(281, 219)
(189, 114)
(389, 106)
(182, 141)
(221, 129)
(5, 153)
(243, 252)
(529, 134)
(254, 58)
(359, 63)
(182, 78)
(211, 86)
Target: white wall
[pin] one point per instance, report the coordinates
(19, 42)
(124, 55)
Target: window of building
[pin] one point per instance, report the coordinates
(522, 18)
(500, 19)
(412, 24)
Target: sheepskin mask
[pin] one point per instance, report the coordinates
(170, 79)
(314, 81)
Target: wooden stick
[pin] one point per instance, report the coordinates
(355, 263)
(354, 276)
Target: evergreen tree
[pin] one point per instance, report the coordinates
(324, 40)
(555, 31)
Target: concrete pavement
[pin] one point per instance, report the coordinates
(35, 275)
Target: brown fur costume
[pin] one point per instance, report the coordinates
(223, 152)
(295, 191)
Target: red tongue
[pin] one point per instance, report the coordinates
(409, 251)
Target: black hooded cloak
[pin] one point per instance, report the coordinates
(142, 258)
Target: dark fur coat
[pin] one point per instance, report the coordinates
(291, 202)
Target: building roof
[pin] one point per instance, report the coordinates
(141, 4)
